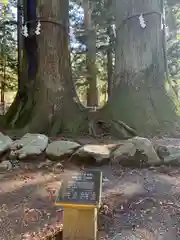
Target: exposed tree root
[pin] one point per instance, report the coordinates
(101, 128)
(31, 118)
(16, 116)
(92, 131)
(123, 128)
(41, 123)
(19, 112)
(98, 128)
(13, 109)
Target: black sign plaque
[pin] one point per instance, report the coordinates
(83, 188)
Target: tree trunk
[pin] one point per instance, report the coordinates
(4, 63)
(3, 83)
(141, 99)
(92, 91)
(12, 116)
(51, 105)
(109, 61)
(19, 39)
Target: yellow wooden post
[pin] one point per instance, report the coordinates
(80, 224)
(80, 216)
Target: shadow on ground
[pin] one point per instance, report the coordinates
(146, 203)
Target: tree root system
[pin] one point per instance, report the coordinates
(102, 128)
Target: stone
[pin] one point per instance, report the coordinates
(145, 146)
(46, 164)
(124, 149)
(60, 148)
(169, 154)
(168, 150)
(162, 151)
(29, 145)
(137, 151)
(58, 168)
(124, 154)
(100, 153)
(5, 143)
(5, 165)
(15, 163)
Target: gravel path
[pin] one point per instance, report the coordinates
(146, 203)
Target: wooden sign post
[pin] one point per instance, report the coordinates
(80, 197)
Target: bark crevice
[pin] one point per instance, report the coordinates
(50, 103)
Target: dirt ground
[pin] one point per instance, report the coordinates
(149, 207)
(146, 202)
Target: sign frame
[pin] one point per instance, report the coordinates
(97, 174)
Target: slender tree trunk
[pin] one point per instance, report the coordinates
(52, 105)
(12, 116)
(109, 61)
(3, 85)
(92, 91)
(141, 99)
(3, 79)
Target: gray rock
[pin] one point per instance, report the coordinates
(99, 152)
(46, 164)
(172, 155)
(135, 152)
(60, 148)
(5, 143)
(29, 145)
(5, 165)
(123, 149)
(145, 146)
(168, 150)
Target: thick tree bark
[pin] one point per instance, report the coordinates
(3, 79)
(139, 96)
(51, 105)
(12, 116)
(109, 61)
(19, 39)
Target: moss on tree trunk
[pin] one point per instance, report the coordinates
(51, 105)
(139, 96)
(139, 103)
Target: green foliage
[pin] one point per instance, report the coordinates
(102, 19)
(3, 1)
(174, 47)
(8, 48)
